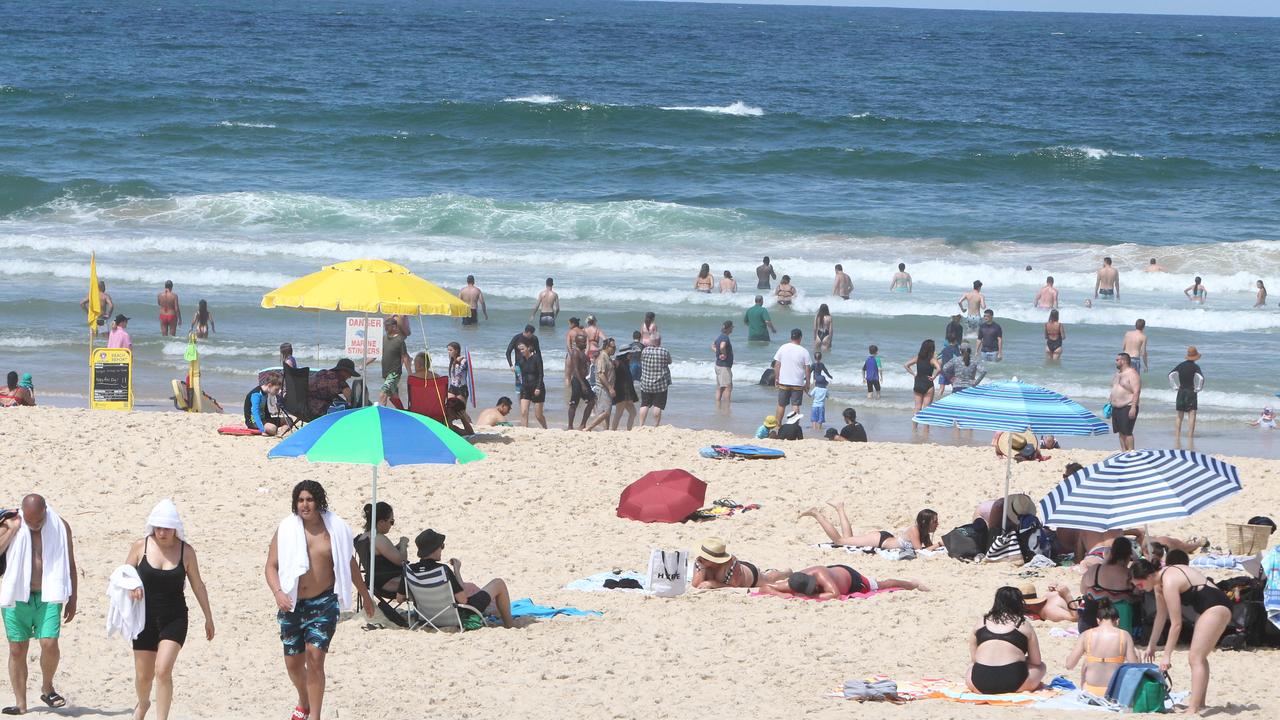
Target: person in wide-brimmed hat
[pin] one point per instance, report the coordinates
(1053, 606)
(494, 594)
(714, 567)
(328, 390)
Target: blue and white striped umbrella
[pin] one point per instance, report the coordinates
(1131, 489)
(1012, 407)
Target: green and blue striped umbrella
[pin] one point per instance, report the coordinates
(374, 435)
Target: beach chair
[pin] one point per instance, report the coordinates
(386, 600)
(427, 397)
(296, 408)
(431, 601)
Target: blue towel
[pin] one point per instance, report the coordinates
(1061, 683)
(526, 607)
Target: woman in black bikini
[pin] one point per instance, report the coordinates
(919, 535)
(714, 568)
(925, 368)
(1111, 580)
(823, 329)
(1054, 334)
(1175, 586)
(165, 562)
(1004, 649)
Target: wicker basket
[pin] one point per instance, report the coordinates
(1247, 539)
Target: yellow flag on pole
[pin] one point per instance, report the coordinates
(95, 299)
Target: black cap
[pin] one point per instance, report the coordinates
(348, 366)
(831, 433)
(429, 541)
(802, 584)
(121, 318)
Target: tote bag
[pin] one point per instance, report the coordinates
(668, 572)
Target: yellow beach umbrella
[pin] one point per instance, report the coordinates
(367, 286)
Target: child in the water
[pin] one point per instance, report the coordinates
(1267, 419)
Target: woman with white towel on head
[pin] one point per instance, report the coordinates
(165, 563)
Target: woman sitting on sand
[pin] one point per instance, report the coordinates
(1175, 586)
(829, 582)
(1104, 649)
(1004, 649)
(919, 535)
(715, 568)
(1111, 581)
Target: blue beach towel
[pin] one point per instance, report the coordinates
(747, 452)
(526, 607)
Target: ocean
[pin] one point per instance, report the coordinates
(617, 146)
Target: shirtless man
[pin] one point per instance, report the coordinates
(785, 292)
(843, 285)
(1135, 346)
(37, 611)
(764, 273)
(1047, 298)
(1126, 387)
(548, 306)
(170, 311)
(1153, 266)
(972, 304)
(472, 296)
(1107, 284)
(828, 582)
(310, 602)
(571, 335)
(107, 306)
(728, 284)
(901, 280)
(576, 367)
(496, 415)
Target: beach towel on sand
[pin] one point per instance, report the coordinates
(595, 583)
(291, 551)
(526, 607)
(238, 430)
(15, 587)
(745, 452)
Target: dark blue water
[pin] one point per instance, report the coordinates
(231, 146)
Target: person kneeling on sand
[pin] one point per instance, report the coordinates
(829, 582)
(493, 595)
(716, 568)
(256, 412)
(918, 535)
(1003, 648)
(496, 415)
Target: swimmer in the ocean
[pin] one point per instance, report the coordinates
(1196, 292)
(843, 285)
(1047, 298)
(1262, 295)
(785, 292)
(901, 280)
(1107, 284)
(703, 282)
(728, 284)
(1153, 266)
(972, 304)
(548, 305)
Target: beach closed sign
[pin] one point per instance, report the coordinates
(362, 331)
(111, 379)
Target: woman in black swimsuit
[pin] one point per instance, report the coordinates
(1004, 649)
(165, 562)
(925, 368)
(714, 568)
(389, 558)
(920, 535)
(1176, 586)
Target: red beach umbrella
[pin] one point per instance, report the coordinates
(662, 496)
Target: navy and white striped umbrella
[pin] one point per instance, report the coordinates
(1138, 487)
(1012, 406)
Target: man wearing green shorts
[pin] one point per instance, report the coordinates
(41, 541)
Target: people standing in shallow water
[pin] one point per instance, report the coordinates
(842, 287)
(901, 280)
(202, 325)
(728, 284)
(785, 292)
(1262, 295)
(703, 282)
(165, 563)
(823, 329)
(765, 273)
(924, 368)
(1106, 284)
(1054, 334)
(547, 307)
(1153, 266)
(1196, 292)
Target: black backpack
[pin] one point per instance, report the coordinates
(967, 541)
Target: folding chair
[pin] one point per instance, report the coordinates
(427, 397)
(385, 599)
(431, 601)
(296, 407)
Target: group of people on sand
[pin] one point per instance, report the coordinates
(311, 571)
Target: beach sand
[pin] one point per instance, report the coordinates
(540, 513)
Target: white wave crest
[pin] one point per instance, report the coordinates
(738, 108)
(260, 126)
(1087, 152)
(535, 99)
(190, 276)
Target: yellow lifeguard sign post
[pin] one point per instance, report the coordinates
(110, 379)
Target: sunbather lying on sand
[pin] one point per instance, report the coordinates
(716, 568)
(827, 582)
(919, 535)
(1053, 606)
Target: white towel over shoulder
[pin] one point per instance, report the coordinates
(124, 614)
(55, 586)
(291, 553)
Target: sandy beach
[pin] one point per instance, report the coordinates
(540, 513)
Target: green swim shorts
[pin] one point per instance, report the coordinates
(32, 619)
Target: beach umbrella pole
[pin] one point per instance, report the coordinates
(373, 528)
(1008, 476)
